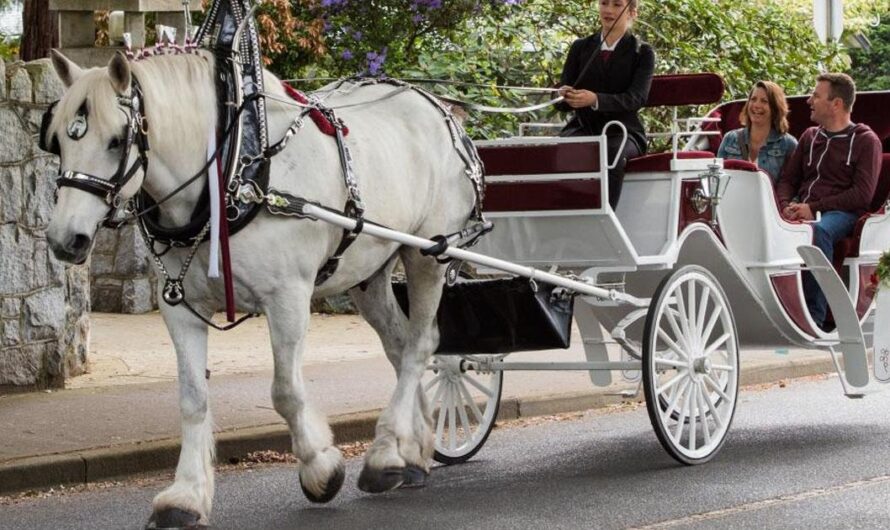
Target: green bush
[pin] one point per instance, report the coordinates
(9, 47)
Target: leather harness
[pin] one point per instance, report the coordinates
(245, 155)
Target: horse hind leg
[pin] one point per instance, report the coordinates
(188, 501)
(403, 445)
(378, 306)
(322, 468)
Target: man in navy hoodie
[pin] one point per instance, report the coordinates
(834, 170)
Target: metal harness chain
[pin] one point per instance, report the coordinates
(173, 292)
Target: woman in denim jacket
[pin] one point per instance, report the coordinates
(764, 139)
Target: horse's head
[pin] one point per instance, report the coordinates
(98, 131)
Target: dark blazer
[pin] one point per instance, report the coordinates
(621, 85)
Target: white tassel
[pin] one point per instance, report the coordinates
(213, 183)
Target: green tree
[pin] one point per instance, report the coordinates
(493, 42)
(526, 45)
(869, 67)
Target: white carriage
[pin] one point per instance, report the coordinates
(695, 264)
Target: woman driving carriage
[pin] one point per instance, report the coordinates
(607, 77)
(763, 137)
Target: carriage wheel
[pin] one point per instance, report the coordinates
(464, 406)
(690, 364)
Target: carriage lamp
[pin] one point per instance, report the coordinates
(713, 186)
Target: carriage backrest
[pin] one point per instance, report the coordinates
(871, 108)
(673, 90)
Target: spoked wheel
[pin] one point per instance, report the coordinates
(464, 405)
(690, 364)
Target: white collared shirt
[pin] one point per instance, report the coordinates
(606, 48)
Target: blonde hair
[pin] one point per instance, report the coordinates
(778, 106)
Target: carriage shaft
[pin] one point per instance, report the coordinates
(531, 273)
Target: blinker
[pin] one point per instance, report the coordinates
(53, 146)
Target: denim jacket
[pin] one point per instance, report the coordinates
(772, 156)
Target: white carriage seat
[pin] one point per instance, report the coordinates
(751, 225)
(855, 257)
(655, 206)
(545, 198)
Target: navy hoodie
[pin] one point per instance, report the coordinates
(832, 171)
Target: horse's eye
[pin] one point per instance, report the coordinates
(114, 143)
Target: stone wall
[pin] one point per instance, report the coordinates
(122, 273)
(44, 321)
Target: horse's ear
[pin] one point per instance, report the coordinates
(65, 68)
(119, 70)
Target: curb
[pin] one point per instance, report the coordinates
(107, 463)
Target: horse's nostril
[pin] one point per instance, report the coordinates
(81, 242)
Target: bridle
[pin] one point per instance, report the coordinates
(135, 133)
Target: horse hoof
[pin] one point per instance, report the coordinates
(380, 480)
(174, 518)
(330, 489)
(415, 477)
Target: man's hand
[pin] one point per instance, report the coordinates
(797, 211)
(577, 99)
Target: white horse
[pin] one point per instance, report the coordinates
(411, 178)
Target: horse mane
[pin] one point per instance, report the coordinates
(175, 101)
(179, 92)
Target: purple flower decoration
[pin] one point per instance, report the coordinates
(375, 61)
(346, 55)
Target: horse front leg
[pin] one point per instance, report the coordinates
(188, 501)
(403, 443)
(322, 467)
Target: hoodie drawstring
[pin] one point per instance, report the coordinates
(812, 143)
(850, 152)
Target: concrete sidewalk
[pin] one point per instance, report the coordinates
(123, 418)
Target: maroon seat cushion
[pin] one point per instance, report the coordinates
(740, 165)
(662, 161)
(882, 190)
(673, 90)
(575, 194)
(540, 159)
(849, 246)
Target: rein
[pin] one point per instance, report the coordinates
(465, 104)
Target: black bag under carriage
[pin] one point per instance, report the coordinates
(499, 316)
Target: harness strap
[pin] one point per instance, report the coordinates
(215, 326)
(354, 208)
(349, 236)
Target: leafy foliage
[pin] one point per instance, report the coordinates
(870, 67)
(523, 42)
(859, 15)
(9, 47)
(883, 270)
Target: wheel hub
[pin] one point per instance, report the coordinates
(702, 365)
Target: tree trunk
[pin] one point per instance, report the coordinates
(40, 30)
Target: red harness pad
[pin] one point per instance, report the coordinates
(321, 121)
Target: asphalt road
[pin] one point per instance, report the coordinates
(802, 456)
